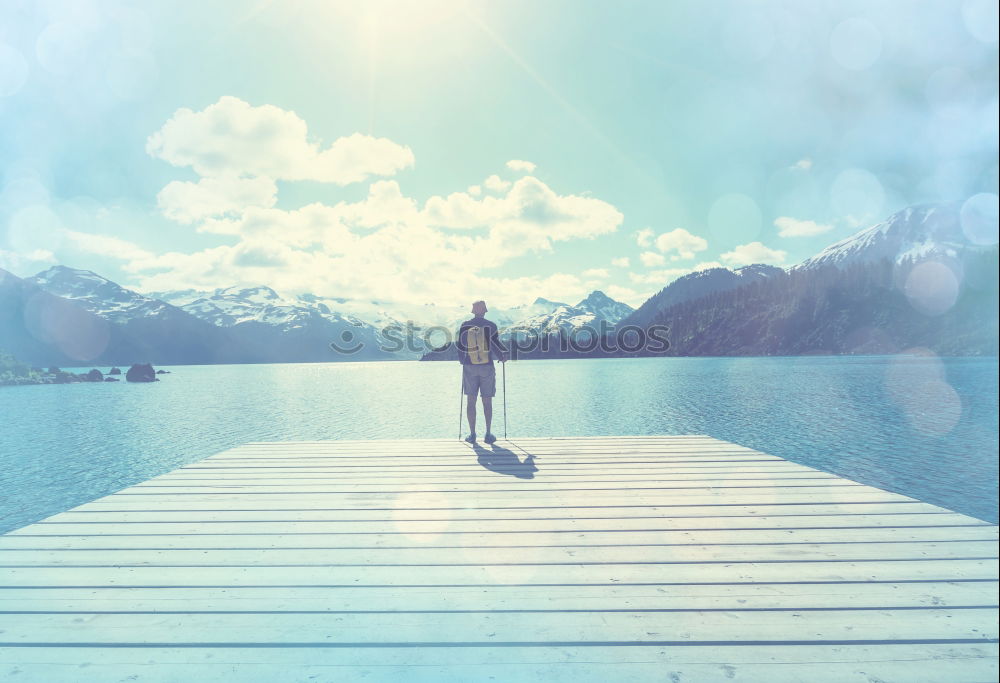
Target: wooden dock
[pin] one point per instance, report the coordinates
(675, 559)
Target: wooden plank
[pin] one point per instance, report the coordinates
(343, 488)
(582, 444)
(295, 522)
(776, 664)
(478, 475)
(510, 574)
(453, 446)
(624, 553)
(470, 470)
(478, 471)
(665, 505)
(569, 442)
(456, 445)
(545, 655)
(91, 512)
(554, 443)
(581, 448)
(502, 493)
(466, 465)
(386, 461)
(379, 668)
(976, 624)
(800, 597)
(252, 536)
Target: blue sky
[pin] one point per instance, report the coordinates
(442, 151)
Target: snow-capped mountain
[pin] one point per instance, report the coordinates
(378, 315)
(509, 317)
(258, 324)
(293, 323)
(603, 306)
(915, 233)
(88, 317)
(98, 294)
(370, 321)
(246, 303)
(591, 311)
(234, 306)
(178, 297)
(231, 306)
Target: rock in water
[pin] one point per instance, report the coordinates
(111, 379)
(115, 371)
(94, 375)
(140, 372)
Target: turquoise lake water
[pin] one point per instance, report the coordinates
(922, 426)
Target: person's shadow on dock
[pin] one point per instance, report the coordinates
(502, 461)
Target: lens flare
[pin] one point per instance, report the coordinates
(77, 333)
(931, 287)
(857, 192)
(979, 219)
(917, 382)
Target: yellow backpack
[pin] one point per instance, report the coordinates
(475, 340)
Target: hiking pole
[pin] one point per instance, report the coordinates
(504, 364)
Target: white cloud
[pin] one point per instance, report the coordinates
(596, 272)
(661, 278)
(529, 218)
(496, 184)
(385, 205)
(644, 237)
(682, 242)
(233, 138)
(793, 227)
(754, 252)
(530, 211)
(658, 278)
(651, 258)
(707, 265)
(620, 262)
(106, 245)
(12, 260)
(187, 202)
(403, 266)
(385, 247)
(513, 291)
(627, 295)
(521, 166)
(803, 164)
(310, 226)
(461, 210)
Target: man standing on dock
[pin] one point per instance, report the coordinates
(477, 343)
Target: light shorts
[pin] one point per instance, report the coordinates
(479, 378)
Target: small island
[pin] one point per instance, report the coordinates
(15, 373)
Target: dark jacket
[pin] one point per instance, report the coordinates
(493, 343)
